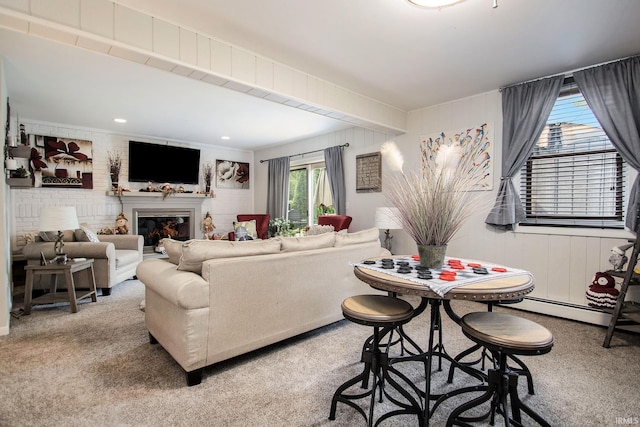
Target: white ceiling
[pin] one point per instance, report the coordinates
(385, 49)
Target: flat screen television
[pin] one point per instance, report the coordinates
(163, 163)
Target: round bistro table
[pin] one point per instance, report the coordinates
(494, 289)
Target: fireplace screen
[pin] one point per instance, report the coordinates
(155, 227)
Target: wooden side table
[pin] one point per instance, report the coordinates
(53, 296)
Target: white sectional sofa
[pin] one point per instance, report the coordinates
(213, 300)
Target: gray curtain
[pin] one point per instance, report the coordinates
(278, 187)
(525, 110)
(335, 172)
(613, 94)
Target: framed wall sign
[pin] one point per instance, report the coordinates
(368, 173)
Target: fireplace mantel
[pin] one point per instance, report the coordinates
(146, 196)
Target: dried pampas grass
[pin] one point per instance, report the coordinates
(434, 204)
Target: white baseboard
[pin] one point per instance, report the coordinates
(565, 311)
(4, 330)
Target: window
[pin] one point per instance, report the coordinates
(309, 194)
(574, 176)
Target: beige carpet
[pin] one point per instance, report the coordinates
(96, 367)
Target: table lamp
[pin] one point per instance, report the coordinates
(59, 218)
(388, 219)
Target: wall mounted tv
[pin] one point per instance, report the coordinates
(163, 163)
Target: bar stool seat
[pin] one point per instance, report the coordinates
(378, 311)
(504, 335)
(521, 369)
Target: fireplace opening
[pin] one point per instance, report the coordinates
(155, 225)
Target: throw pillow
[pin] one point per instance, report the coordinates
(305, 243)
(173, 249)
(314, 230)
(245, 230)
(30, 237)
(85, 234)
(195, 252)
(364, 236)
(48, 236)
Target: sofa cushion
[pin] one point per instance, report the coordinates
(85, 234)
(194, 252)
(305, 243)
(173, 248)
(364, 236)
(314, 230)
(125, 257)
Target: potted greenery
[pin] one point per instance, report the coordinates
(280, 227)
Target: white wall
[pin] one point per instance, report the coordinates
(97, 208)
(5, 264)
(562, 260)
(361, 206)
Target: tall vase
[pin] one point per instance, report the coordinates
(432, 256)
(114, 181)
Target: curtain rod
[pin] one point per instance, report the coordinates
(307, 152)
(570, 73)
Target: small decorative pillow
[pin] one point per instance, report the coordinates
(30, 237)
(245, 230)
(86, 234)
(48, 236)
(314, 230)
(173, 249)
(363, 236)
(305, 243)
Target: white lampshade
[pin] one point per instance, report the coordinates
(58, 218)
(388, 219)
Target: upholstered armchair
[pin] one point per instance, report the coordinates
(262, 223)
(339, 222)
(115, 256)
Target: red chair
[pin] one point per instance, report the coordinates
(339, 222)
(262, 223)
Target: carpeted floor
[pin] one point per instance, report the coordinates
(96, 367)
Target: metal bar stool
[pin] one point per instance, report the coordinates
(522, 369)
(386, 313)
(503, 335)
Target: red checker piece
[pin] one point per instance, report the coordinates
(457, 266)
(447, 277)
(474, 265)
(415, 257)
(499, 269)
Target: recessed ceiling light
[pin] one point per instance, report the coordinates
(120, 120)
(433, 3)
(225, 137)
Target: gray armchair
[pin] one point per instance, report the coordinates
(115, 256)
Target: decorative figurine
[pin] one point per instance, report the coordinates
(122, 224)
(208, 226)
(602, 292)
(618, 258)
